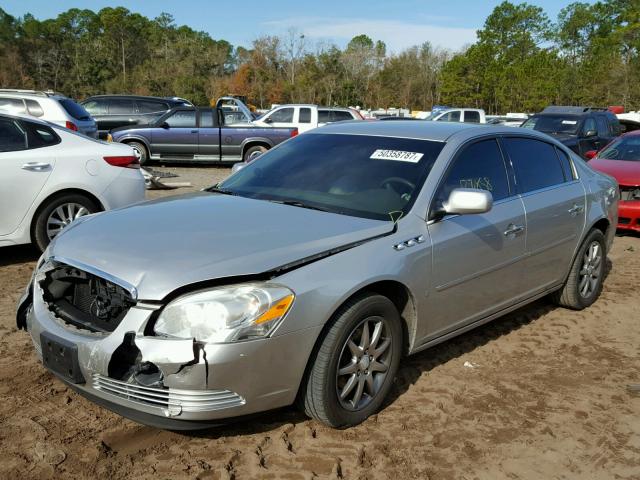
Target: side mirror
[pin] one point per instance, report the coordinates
(590, 133)
(465, 201)
(268, 120)
(165, 125)
(591, 154)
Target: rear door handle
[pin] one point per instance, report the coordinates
(194, 131)
(513, 230)
(576, 209)
(36, 166)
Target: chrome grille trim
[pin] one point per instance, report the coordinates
(187, 400)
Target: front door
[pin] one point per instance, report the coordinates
(209, 135)
(477, 259)
(177, 136)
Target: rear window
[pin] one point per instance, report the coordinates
(72, 108)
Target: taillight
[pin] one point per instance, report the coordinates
(71, 126)
(294, 132)
(129, 161)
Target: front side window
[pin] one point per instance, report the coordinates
(305, 115)
(12, 136)
(283, 115)
(452, 116)
(324, 116)
(340, 116)
(624, 148)
(358, 175)
(182, 119)
(589, 126)
(603, 127)
(479, 165)
(535, 163)
(553, 124)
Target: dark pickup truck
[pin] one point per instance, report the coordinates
(191, 134)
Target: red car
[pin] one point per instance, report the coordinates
(621, 160)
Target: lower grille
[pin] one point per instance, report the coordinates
(85, 300)
(171, 398)
(628, 194)
(624, 220)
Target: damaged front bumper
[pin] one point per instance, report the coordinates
(169, 383)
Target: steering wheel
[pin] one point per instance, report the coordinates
(388, 183)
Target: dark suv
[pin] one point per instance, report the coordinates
(579, 128)
(113, 111)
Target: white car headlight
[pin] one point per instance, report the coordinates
(226, 314)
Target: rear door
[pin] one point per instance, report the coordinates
(554, 200)
(121, 113)
(23, 170)
(178, 135)
(477, 259)
(209, 135)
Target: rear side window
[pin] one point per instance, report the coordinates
(145, 106)
(208, 120)
(566, 164)
(12, 136)
(535, 163)
(34, 108)
(471, 117)
(96, 107)
(72, 108)
(12, 105)
(121, 107)
(479, 165)
(40, 135)
(305, 115)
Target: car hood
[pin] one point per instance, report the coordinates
(120, 130)
(624, 171)
(166, 244)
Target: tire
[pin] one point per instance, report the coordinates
(324, 383)
(251, 150)
(56, 211)
(140, 151)
(586, 277)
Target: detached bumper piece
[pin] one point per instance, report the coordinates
(173, 401)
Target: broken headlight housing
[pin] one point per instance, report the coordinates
(226, 314)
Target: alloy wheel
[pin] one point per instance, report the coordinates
(591, 270)
(62, 216)
(364, 363)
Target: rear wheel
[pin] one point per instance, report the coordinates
(253, 152)
(585, 280)
(140, 151)
(356, 362)
(58, 214)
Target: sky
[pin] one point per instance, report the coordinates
(399, 23)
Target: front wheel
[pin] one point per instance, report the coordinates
(59, 213)
(585, 280)
(356, 362)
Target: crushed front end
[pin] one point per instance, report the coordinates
(92, 331)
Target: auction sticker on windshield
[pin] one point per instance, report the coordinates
(399, 155)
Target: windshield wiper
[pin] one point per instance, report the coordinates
(296, 203)
(223, 191)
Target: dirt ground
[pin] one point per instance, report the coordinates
(539, 394)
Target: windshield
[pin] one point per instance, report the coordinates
(358, 175)
(553, 124)
(625, 148)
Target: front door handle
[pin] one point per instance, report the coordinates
(575, 210)
(36, 166)
(194, 131)
(513, 230)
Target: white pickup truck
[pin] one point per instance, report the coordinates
(305, 117)
(466, 115)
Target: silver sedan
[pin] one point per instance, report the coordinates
(311, 272)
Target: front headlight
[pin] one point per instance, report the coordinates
(226, 314)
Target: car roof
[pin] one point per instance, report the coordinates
(423, 130)
(23, 116)
(137, 97)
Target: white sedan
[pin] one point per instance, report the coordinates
(49, 176)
